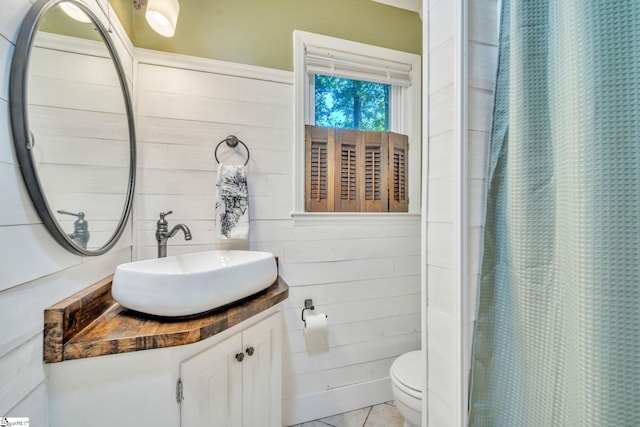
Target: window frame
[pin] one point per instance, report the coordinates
(405, 113)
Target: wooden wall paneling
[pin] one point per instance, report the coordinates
(347, 249)
(441, 75)
(192, 107)
(21, 371)
(269, 184)
(441, 204)
(314, 382)
(30, 252)
(200, 207)
(270, 207)
(13, 11)
(336, 271)
(358, 311)
(68, 67)
(407, 265)
(89, 96)
(478, 154)
(178, 156)
(7, 153)
(270, 161)
(213, 85)
(35, 405)
(356, 294)
(483, 59)
(16, 204)
(359, 331)
(350, 355)
(78, 178)
(364, 226)
(178, 182)
(483, 23)
(281, 230)
(480, 109)
(89, 124)
(441, 111)
(440, 246)
(441, 156)
(64, 150)
(177, 131)
(370, 289)
(441, 25)
(6, 55)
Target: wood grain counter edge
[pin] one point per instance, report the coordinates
(91, 323)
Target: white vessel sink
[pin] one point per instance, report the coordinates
(184, 285)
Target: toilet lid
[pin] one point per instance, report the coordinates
(407, 369)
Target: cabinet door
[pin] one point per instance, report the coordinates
(211, 387)
(262, 372)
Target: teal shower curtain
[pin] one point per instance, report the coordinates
(557, 339)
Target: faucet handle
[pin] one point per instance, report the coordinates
(79, 214)
(163, 214)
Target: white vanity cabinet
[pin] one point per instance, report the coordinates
(141, 388)
(236, 383)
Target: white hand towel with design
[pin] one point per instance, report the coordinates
(232, 205)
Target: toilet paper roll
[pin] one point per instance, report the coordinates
(315, 333)
(315, 324)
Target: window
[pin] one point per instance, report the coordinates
(357, 115)
(351, 104)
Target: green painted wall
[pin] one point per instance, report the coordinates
(259, 32)
(57, 22)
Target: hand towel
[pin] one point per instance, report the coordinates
(232, 205)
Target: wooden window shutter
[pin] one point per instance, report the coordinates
(355, 171)
(320, 145)
(376, 182)
(348, 166)
(398, 178)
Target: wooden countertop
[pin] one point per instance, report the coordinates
(91, 323)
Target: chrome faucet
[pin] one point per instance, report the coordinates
(163, 234)
(80, 235)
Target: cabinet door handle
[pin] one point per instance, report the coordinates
(250, 351)
(240, 357)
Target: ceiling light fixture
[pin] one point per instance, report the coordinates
(75, 12)
(162, 15)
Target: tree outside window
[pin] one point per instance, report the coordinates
(351, 104)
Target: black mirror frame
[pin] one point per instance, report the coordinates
(18, 108)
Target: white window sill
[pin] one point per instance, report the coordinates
(367, 218)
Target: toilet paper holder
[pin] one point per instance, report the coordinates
(308, 305)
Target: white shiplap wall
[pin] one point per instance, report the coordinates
(364, 273)
(34, 271)
(460, 97)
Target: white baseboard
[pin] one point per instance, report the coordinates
(335, 401)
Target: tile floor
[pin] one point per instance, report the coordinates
(382, 415)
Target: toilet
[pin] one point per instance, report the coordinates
(406, 384)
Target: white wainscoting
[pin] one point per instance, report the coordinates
(364, 275)
(462, 43)
(35, 272)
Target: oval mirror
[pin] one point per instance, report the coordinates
(73, 126)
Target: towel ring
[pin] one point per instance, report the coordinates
(232, 141)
